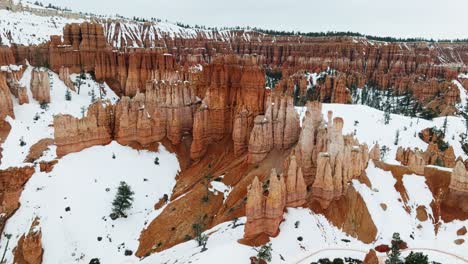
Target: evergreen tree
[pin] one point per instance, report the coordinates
(394, 256)
(68, 95)
(444, 126)
(122, 201)
(416, 258)
(387, 113)
(264, 253)
(397, 137)
(8, 237)
(93, 96)
(78, 82)
(83, 111)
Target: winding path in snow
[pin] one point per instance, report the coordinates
(381, 258)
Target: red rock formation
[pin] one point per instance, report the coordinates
(72, 134)
(374, 153)
(6, 105)
(312, 140)
(15, 87)
(264, 214)
(233, 84)
(371, 258)
(416, 160)
(29, 249)
(329, 160)
(40, 86)
(296, 189)
(459, 178)
(261, 140)
(64, 75)
(243, 124)
(413, 159)
(164, 110)
(12, 181)
(278, 128)
(37, 150)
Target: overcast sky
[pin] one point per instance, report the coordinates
(400, 18)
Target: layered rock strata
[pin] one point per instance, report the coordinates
(40, 85)
(277, 129)
(459, 178)
(73, 134)
(265, 213)
(29, 249)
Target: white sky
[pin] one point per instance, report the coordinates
(399, 18)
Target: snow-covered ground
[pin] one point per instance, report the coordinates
(29, 29)
(368, 125)
(86, 183)
(418, 234)
(25, 127)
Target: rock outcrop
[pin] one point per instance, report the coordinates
(459, 178)
(64, 75)
(264, 213)
(233, 84)
(416, 159)
(413, 159)
(164, 110)
(277, 129)
(18, 90)
(296, 189)
(328, 159)
(40, 85)
(371, 258)
(374, 153)
(242, 127)
(6, 104)
(29, 249)
(73, 134)
(12, 181)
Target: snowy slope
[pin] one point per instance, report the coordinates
(395, 218)
(86, 182)
(370, 128)
(29, 29)
(25, 127)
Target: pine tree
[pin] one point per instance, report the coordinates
(83, 111)
(387, 113)
(8, 237)
(444, 126)
(394, 256)
(93, 96)
(122, 201)
(397, 137)
(264, 253)
(416, 258)
(68, 95)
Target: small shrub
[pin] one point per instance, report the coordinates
(416, 258)
(95, 261)
(68, 95)
(44, 106)
(264, 253)
(296, 224)
(22, 142)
